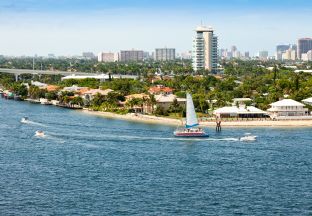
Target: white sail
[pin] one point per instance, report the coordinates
(191, 119)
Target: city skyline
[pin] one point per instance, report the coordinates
(71, 27)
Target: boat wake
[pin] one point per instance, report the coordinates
(25, 121)
(111, 137)
(48, 136)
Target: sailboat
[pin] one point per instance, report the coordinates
(191, 128)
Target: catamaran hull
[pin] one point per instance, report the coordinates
(191, 135)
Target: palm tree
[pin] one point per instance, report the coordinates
(77, 101)
(151, 101)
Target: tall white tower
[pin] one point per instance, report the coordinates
(205, 49)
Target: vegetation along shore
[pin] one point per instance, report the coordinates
(245, 93)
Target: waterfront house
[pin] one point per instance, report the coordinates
(74, 88)
(241, 111)
(286, 108)
(89, 94)
(139, 96)
(160, 89)
(145, 107)
(51, 88)
(165, 101)
(308, 101)
(39, 84)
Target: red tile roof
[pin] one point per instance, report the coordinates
(160, 89)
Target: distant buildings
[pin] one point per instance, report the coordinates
(233, 53)
(186, 55)
(280, 49)
(306, 56)
(286, 52)
(304, 46)
(131, 55)
(88, 55)
(51, 55)
(205, 49)
(107, 57)
(247, 55)
(263, 55)
(164, 54)
(147, 56)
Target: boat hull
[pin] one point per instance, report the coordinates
(190, 134)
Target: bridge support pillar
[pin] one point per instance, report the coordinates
(16, 77)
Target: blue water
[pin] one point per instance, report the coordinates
(88, 165)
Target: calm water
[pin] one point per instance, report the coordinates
(88, 165)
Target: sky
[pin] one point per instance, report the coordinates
(70, 27)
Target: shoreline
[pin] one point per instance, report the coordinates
(150, 119)
(175, 122)
(135, 118)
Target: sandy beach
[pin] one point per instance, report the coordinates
(174, 122)
(135, 117)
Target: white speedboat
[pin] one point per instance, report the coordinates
(39, 133)
(24, 120)
(248, 138)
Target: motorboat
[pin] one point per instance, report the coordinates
(39, 133)
(248, 138)
(24, 120)
(190, 129)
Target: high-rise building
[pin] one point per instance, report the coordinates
(286, 55)
(263, 55)
(307, 56)
(164, 54)
(205, 49)
(146, 56)
(236, 54)
(131, 55)
(293, 55)
(247, 55)
(280, 50)
(107, 57)
(304, 46)
(233, 48)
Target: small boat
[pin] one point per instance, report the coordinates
(248, 138)
(24, 120)
(191, 128)
(39, 133)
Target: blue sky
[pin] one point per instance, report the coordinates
(68, 27)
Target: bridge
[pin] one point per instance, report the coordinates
(74, 75)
